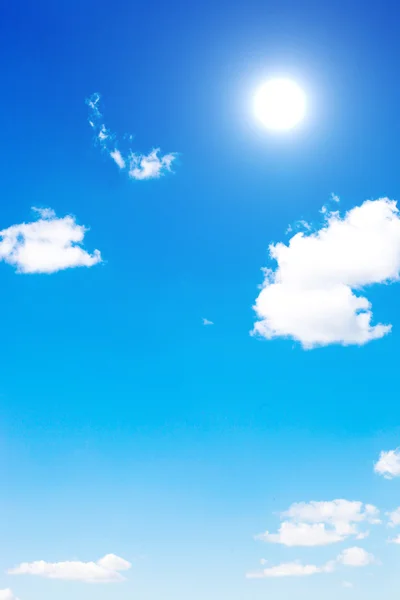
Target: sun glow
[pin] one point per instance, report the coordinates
(280, 104)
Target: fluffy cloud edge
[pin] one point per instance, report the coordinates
(105, 570)
(46, 245)
(388, 464)
(322, 523)
(310, 294)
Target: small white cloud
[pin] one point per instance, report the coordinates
(335, 198)
(352, 557)
(139, 166)
(347, 584)
(105, 570)
(118, 158)
(388, 464)
(395, 540)
(293, 569)
(151, 166)
(394, 517)
(322, 523)
(7, 595)
(44, 213)
(313, 294)
(302, 534)
(46, 245)
(362, 535)
(207, 322)
(355, 557)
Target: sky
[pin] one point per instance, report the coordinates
(200, 327)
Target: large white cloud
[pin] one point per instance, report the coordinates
(351, 557)
(388, 464)
(322, 523)
(314, 295)
(46, 245)
(7, 595)
(138, 166)
(105, 570)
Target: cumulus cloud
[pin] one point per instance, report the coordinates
(138, 166)
(302, 534)
(388, 464)
(105, 570)
(394, 517)
(7, 595)
(351, 557)
(355, 557)
(46, 245)
(322, 523)
(314, 294)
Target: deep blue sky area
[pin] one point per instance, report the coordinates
(126, 426)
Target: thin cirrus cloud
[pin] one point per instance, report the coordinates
(351, 557)
(106, 570)
(322, 523)
(138, 166)
(388, 464)
(46, 245)
(313, 293)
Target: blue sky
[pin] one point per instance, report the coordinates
(128, 429)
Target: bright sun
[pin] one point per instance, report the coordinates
(280, 104)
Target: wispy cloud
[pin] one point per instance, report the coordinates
(351, 557)
(207, 322)
(105, 570)
(46, 245)
(138, 166)
(312, 295)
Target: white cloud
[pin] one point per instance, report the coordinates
(114, 563)
(7, 595)
(355, 557)
(322, 523)
(46, 245)
(313, 294)
(347, 584)
(207, 322)
(302, 534)
(105, 570)
(118, 158)
(352, 557)
(151, 166)
(138, 166)
(395, 540)
(388, 464)
(293, 569)
(394, 517)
